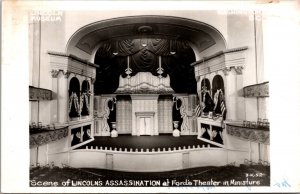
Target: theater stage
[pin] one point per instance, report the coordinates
(146, 142)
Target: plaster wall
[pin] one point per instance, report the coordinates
(242, 32)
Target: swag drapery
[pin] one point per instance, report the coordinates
(144, 57)
(143, 53)
(78, 106)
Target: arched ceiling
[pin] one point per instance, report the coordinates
(97, 37)
(199, 34)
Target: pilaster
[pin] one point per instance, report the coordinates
(231, 95)
(62, 98)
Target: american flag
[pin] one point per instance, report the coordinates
(198, 110)
(222, 105)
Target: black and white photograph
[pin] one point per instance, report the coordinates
(159, 99)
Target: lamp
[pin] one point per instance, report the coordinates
(128, 70)
(172, 52)
(144, 44)
(116, 51)
(159, 70)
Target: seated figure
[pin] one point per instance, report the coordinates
(208, 104)
(219, 103)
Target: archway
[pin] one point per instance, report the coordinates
(201, 36)
(74, 95)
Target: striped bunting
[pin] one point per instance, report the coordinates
(198, 110)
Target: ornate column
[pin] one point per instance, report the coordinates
(91, 97)
(60, 101)
(63, 97)
(54, 102)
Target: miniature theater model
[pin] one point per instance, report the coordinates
(143, 99)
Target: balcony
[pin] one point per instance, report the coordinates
(254, 132)
(41, 135)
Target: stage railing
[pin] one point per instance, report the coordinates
(147, 150)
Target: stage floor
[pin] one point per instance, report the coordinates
(150, 142)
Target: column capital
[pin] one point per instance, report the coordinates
(54, 73)
(66, 73)
(93, 80)
(239, 69)
(71, 63)
(226, 70)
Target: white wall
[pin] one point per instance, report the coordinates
(241, 33)
(257, 151)
(155, 162)
(43, 36)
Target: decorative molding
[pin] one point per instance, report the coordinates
(226, 70)
(54, 73)
(47, 137)
(36, 94)
(257, 90)
(71, 64)
(204, 59)
(239, 69)
(144, 83)
(66, 74)
(214, 122)
(221, 61)
(130, 24)
(73, 57)
(249, 134)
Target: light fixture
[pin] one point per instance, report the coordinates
(172, 52)
(128, 70)
(144, 42)
(159, 70)
(116, 51)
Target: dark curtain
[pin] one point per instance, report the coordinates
(144, 57)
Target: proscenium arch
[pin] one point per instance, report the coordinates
(84, 42)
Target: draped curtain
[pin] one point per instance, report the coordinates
(144, 57)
